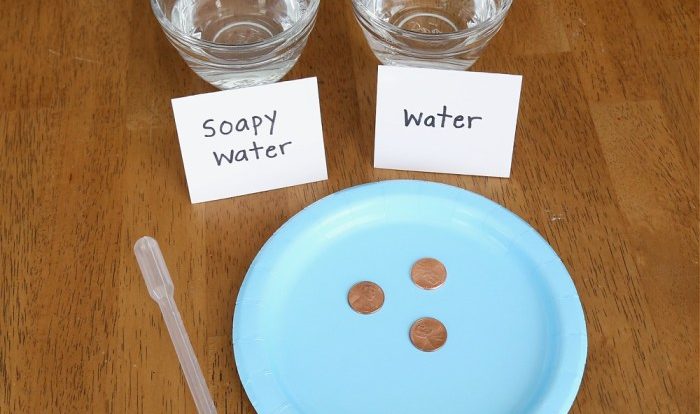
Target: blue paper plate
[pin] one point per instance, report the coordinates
(516, 331)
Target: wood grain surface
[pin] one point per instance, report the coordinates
(605, 167)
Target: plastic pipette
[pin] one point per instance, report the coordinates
(160, 287)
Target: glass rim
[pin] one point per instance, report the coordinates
(167, 26)
(487, 24)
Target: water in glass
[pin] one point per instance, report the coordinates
(248, 42)
(456, 25)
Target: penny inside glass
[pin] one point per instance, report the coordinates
(428, 273)
(428, 334)
(366, 297)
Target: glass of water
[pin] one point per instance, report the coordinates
(238, 43)
(440, 34)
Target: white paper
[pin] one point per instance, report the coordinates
(454, 145)
(219, 133)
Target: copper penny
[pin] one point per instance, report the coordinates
(428, 334)
(428, 273)
(366, 297)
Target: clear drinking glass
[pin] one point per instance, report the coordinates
(441, 34)
(238, 43)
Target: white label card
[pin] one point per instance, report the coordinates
(249, 140)
(446, 121)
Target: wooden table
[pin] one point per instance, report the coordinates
(605, 167)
